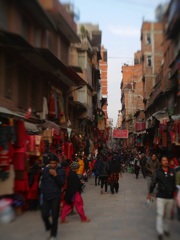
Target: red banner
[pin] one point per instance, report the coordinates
(120, 133)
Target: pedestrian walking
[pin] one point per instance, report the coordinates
(114, 171)
(143, 161)
(96, 168)
(52, 180)
(73, 195)
(104, 173)
(137, 166)
(165, 178)
(151, 166)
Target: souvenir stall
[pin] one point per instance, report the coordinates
(20, 151)
(174, 133)
(57, 140)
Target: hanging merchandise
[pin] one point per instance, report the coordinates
(52, 109)
(20, 132)
(47, 135)
(69, 150)
(61, 105)
(177, 133)
(44, 113)
(69, 130)
(7, 136)
(100, 120)
(33, 180)
(7, 133)
(163, 133)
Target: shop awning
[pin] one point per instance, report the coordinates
(30, 127)
(8, 112)
(50, 125)
(160, 115)
(175, 117)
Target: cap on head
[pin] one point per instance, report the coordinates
(53, 157)
(74, 165)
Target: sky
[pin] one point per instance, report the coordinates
(120, 22)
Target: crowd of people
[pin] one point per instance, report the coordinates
(62, 183)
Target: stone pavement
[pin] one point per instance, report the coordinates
(113, 217)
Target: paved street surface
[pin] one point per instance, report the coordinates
(121, 216)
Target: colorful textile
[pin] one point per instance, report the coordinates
(52, 109)
(113, 178)
(140, 126)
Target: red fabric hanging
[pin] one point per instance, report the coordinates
(68, 150)
(52, 109)
(20, 132)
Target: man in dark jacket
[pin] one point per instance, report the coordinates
(165, 178)
(53, 178)
(103, 173)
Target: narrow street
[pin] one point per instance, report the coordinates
(121, 216)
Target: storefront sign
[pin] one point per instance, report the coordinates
(120, 133)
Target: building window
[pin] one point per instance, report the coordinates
(149, 61)
(8, 77)
(81, 60)
(148, 39)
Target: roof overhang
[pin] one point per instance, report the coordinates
(43, 59)
(64, 28)
(8, 39)
(37, 13)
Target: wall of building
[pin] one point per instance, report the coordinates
(152, 53)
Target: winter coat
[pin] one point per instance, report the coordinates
(97, 167)
(151, 167)
(50, 185)
(73, 186)
(80, 171)
(166, 183)
(114, 166)
(104, 169)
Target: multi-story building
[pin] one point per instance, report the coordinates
(104, 80)
(152, 55)
(131, 94)
(119, 120)
(164, 101)
(34, 59)
(85, 57)
(132, 90)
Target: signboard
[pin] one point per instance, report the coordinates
(120, 133)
